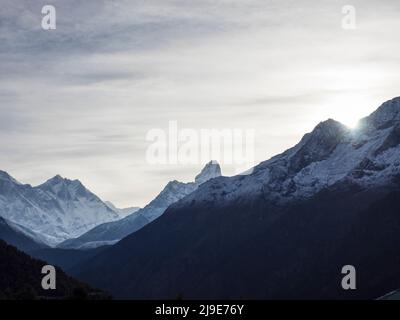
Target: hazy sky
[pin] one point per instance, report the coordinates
(79, 100)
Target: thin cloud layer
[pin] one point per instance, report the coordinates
(79, 100)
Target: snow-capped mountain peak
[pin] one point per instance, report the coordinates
(59, 180)
(330, 127)
(210, 171)
(66, 188)
(331, 153)
(318, 144)
(55, 180)
(57, 209)
(176, 190)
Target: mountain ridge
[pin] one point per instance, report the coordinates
(110, 233)
(329, 201)
(57, 209)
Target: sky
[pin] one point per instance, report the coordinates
(80, 100)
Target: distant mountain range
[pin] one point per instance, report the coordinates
(111, 232)
(63, 213)
(57, 210)
(283, 231)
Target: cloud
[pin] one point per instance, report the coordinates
(80, 99)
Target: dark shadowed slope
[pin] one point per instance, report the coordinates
(253, 250)
(21, 278)
(18, 236)
(65, 258)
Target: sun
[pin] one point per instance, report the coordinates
(348, 109)
(350, 120)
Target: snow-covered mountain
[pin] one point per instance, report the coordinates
(58, 209)
(369, 155)
(332, 200)
(109, 233)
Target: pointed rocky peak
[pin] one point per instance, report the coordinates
(329, 128)
(210, 171)
(56, 183)
(325, 133)
(59, 184)
(387, 115)
(55, 180)
(318, 144)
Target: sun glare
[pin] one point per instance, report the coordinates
(348, 109)
(350, 121)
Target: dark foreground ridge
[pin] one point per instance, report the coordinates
(21, 279)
